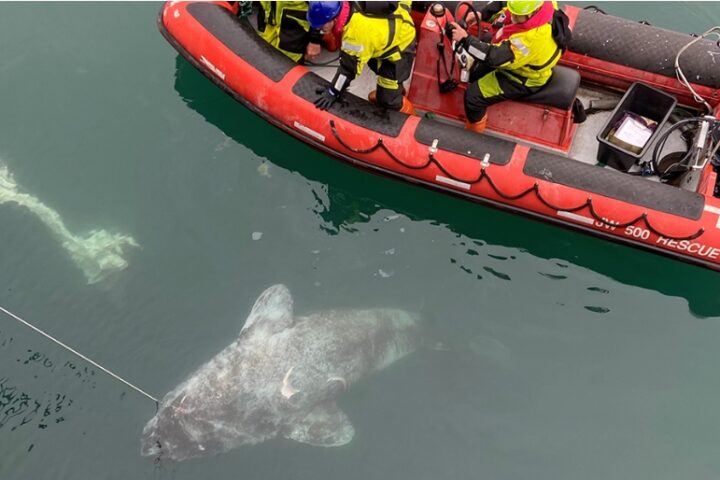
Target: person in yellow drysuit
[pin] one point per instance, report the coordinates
(517, 61)
(380, 35)
(284, 25)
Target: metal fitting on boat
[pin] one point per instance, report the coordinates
(485, 161)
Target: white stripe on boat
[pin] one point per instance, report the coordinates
(450, 181)
(309, 131)
(213, 68)
(576, 217)
(711, 209)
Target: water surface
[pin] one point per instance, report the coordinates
(571, 358)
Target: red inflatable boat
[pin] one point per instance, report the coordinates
(534, 159)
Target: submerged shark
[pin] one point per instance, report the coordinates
(279, 377)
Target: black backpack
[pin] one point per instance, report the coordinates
(561, 32)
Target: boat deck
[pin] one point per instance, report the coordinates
(585, 145)
(558, 183)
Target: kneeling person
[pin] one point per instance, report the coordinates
(284, 26)
(383, 40)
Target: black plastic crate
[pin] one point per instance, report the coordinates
(642, 100)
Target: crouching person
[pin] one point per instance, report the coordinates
(380, 35)
(284, 25)
(516, 63)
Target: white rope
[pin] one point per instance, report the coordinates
(681, 76)
(96, 365)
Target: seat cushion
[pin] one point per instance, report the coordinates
(560, 91)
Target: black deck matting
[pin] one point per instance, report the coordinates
(464, 142)
(239, 36)
(614, 184)
(352, 108)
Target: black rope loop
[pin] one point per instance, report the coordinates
(508, 196)
(352, 149)
(646, 221)
(556, 207)
(535, 188)
(437, 163)
(660, 234)
(607, 223)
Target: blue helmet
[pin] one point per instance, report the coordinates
(320, 13)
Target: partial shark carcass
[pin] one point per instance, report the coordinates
(279, 377)
(98, 254)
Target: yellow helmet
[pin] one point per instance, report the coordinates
(523, 7)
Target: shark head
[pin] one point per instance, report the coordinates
(184, 427)
(170, 435)
(220, 407)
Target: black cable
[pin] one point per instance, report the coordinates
(660, 144)
(681, 165)
(471, 8)
(323, 64)
(596, 9)
(449, 84)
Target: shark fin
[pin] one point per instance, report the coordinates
(325, 426)
(273, 311)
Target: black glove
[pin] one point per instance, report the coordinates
(327, 99)
(449, 27)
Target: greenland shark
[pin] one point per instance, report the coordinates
(280, 377)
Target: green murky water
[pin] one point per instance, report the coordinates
(576, 358)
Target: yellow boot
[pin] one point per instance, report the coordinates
(477, 127)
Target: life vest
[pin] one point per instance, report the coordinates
(382, 37)
(284, 25)
(532, 42)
